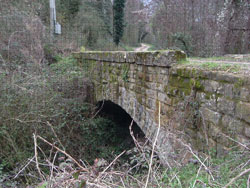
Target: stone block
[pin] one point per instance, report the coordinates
(151, 70)
(211, 86)
(159, 58)
(232, 126)
(245, 94)
(227, 90)
(151, 85)
(226, 106)
(151, 93)
(225, 77)
(210, 116)
(243, 111)
(151, 103)
(164, 71)
(149, 78)
(164, 98)
(247, 131)
(165, 109)
(207, 100)
(130, 57)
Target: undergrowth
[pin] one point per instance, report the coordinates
(49, 100)
(46, 108)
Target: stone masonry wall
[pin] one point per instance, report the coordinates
(207, 109)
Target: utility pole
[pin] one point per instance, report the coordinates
(52, 5)
(54, 26)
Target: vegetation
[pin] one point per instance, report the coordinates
(213, 65)
(51, 102)
(118, 9)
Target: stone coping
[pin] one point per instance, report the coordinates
(152, 58)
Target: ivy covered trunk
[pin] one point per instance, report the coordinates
(118, 20)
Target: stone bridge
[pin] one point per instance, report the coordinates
(204, 108)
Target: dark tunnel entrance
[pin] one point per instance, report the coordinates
(121, 118)
(119, 128)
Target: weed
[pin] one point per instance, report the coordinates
(125, 73)
(67, 66)
(152, 47)
(216, 66)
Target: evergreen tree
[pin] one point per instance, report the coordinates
(118, 20)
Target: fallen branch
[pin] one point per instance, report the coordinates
(59, 141)
(36, 158)
(133, 137)
(206, 168)
(111, 163)
(30, 160)
(52, 145)
(243, 145)
(236, 177)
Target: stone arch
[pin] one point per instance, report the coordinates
(120, 117)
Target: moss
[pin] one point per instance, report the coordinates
(104, 67)
(125, 71)
(110, 69)
(186, 92)
(179, 72)
(239, 83)
(198, 86)
(180, 56)
(180, 82)
(113, 78)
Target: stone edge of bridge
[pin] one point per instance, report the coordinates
(164, 58)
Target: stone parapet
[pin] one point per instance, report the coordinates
(154, 58)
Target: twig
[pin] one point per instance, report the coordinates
(206, 168)
(98, 111)
(30, 160)
(133, 137)
(56, 135)
(154, 144)
(198, 173)
(175, 176)
(96, 185)
(243, 145)
(111, 164)
(78, 164)
(138, 182)
(236, 177)
(248, 182)
(37, 164)
(52, 169)
(122, 182)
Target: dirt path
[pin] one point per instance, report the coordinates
(143, 48)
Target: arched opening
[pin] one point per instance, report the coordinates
(122, 121)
